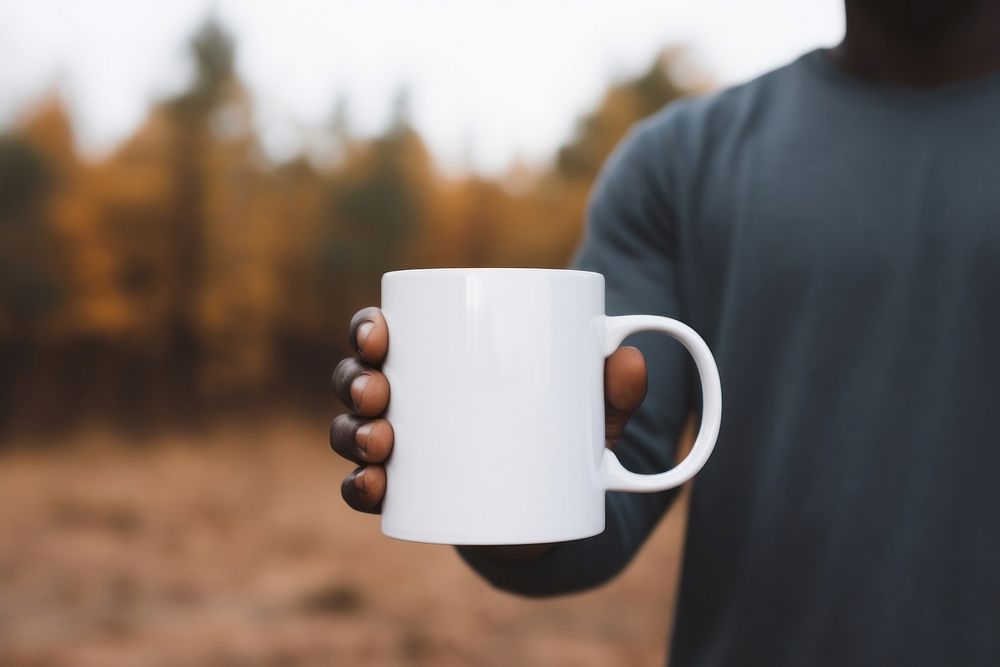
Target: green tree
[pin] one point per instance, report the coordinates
(376, 204)
(213, 55)
(598, 132)
(28, 283)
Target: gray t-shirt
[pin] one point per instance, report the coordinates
(837, 243)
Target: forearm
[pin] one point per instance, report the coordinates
(509, 551)
(630, 239)
(568, 567)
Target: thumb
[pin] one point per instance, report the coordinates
(624, 389)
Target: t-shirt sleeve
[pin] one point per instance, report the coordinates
(630, 238)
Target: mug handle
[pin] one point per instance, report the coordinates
(613, 474)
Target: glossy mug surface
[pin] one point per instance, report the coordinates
(497, 405)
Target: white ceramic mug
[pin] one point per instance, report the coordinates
(497, 405)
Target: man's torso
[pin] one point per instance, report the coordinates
(839, 247)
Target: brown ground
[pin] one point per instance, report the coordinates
(234, 549)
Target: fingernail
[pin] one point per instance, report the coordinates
(360, 483)
(363, 332)
(361, 437)
(358, 388)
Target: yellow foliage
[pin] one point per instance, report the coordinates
(187, 247)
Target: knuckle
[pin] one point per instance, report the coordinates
(344, 438)
(362, 489)
(342, 371)
(343, 375)
(348, 491)
(342, 428)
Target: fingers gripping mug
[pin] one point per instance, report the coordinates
(497, 380)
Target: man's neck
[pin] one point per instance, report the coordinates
(920, 43)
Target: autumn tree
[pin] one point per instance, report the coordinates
(623, 104)
(28, 284)
(377, 203)
(213, 56)
(186, 271)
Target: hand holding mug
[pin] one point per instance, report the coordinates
(506, 386)
(364, 436)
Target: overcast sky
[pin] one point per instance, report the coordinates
(490, 81)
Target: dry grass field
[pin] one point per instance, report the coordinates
(233, 548)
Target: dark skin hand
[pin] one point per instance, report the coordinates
(363, 436)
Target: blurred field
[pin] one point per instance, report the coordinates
(187, 277)
(232, 548)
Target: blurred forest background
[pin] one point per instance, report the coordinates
(186, 276)
(169, 318)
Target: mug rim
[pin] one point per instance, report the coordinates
(521, 269)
